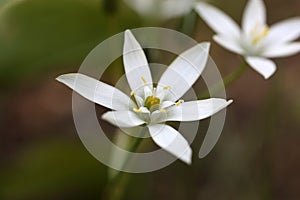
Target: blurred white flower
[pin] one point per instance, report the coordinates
(256, 41)
(148, 104)
(161, 9)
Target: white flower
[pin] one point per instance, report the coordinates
(163, 9)
(148, 104)
(256, 41)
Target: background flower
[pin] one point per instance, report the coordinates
(256, 41)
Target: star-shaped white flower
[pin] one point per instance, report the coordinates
(148, 104)
(256, 41)
(163, 9)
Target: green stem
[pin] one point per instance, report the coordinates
(235, 75)
(188, 23)
(116, 187)
(227, 81)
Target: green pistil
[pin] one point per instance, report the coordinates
(151, 101)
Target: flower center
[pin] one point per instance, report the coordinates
(259, 32)
(151, 101)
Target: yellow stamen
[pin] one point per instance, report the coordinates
(179, 102)
(137, 110)
(154, 91)
(144, 80)
(259, 37)
(266, 31)
(259, 32)
(132, 93)
(167, 87)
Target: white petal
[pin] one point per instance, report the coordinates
(284, 31)
(221, 23)
(157, 117)
(124, 119)
(263, 66)
(172, 141)
(135, 63)
(229, 43)
(184, 70)
(254, 15)
(144, 110)
(164, 94)
(282, 50)
(139, 100)
(166, 104)
(147, 92)
(97, 91)
(196, 110)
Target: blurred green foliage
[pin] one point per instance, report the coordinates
(49, 34)
(55, 167)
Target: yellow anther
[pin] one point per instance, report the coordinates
(162, 110)
(179, 102)
(266, 31)
(167, 87)
(132, 93)
(263, 34)
(144, 80)
(258, 34)
(137, 110)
